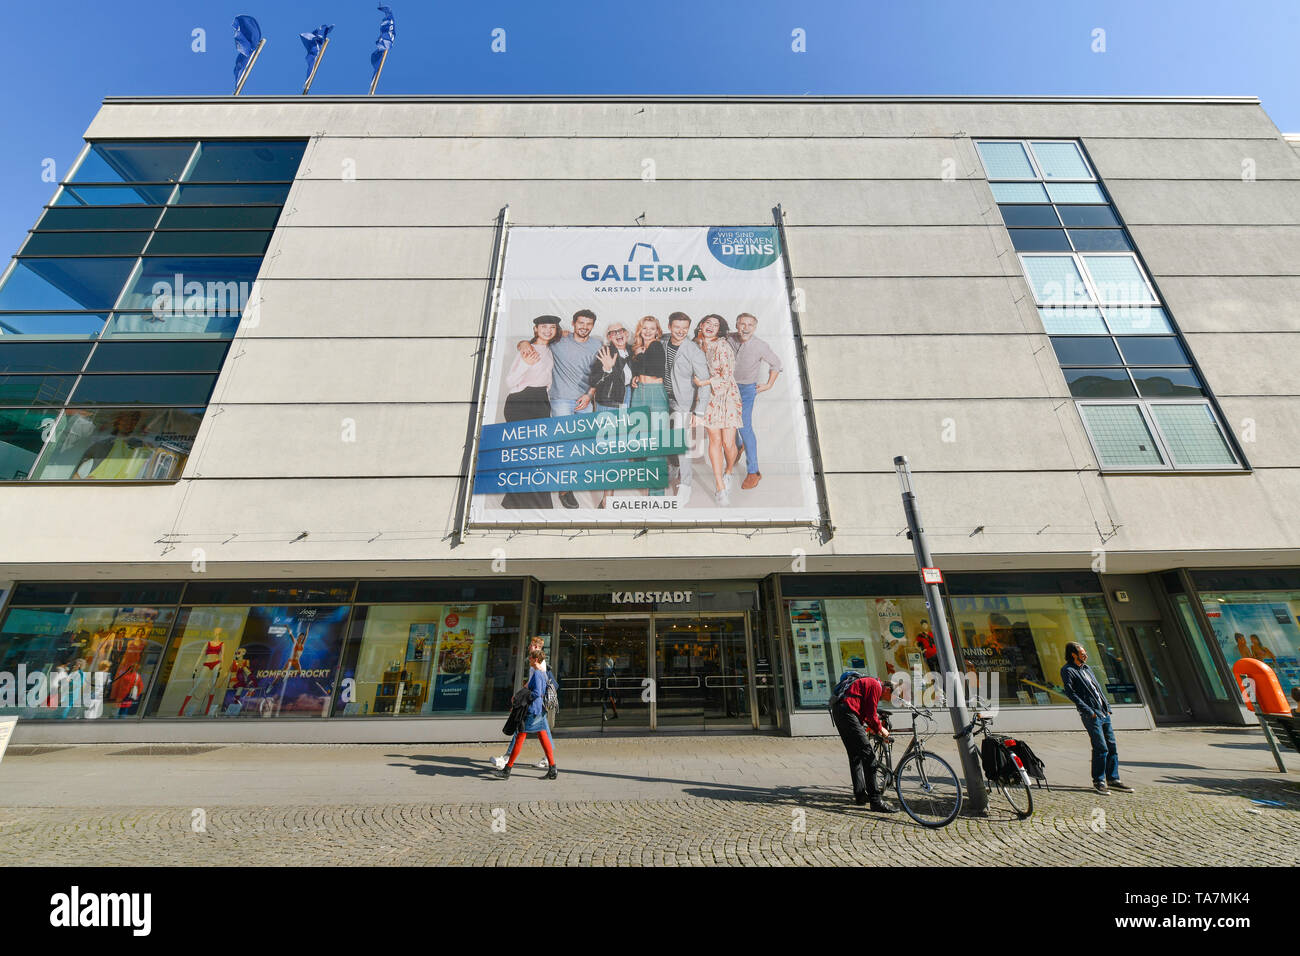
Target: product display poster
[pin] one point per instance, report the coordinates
(624, 362)
(292, 653)
(460, 633)
(1265, 631)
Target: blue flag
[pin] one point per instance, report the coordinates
(314, 41)
(247, 36)
(387, 34)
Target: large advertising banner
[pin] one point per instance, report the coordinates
(644, 376)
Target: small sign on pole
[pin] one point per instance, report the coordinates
(7, 725)
(932, 576)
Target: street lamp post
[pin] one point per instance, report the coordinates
(977, 796)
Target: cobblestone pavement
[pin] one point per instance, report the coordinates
(1209, 797)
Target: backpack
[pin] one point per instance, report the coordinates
(995, 757)
(841, 689)
(551, 702)
(1034, 765)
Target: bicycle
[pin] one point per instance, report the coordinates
(1015, 789)
(928, 789)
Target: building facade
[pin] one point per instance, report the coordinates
(263, 359)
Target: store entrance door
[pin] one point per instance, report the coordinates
(702, 665)
(602, 663)
(1168, 703)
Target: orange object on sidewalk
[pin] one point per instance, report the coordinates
(1268, 692)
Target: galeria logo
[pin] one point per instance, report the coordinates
(103, 909)
(652, 271)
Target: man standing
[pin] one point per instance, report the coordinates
(573, 355)
(854, 712)
(751, 353)
(1081, 687)
(686, 362)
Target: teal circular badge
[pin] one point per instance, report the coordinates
(895, 628)
(748, 249)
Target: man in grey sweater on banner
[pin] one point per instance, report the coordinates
(686, 362)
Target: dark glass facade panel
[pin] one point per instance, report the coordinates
(1014, 215)
(127, 325)
(225, 284)
(220, 217)
(158, 357)
(64, 285)
(1101, 217)
(246, 162)
(1040, 240)
(118, 444)
(235, 195)
(1167, 382)
(64, 593)
(43, 356)
(22, 434)
(85, 244)
(110, 218)
(260, 592)
(1086, 350)
(121, 162)
(57, 325)
(1153, 350)
(208, 243)
(444, 591)
(1100, 240)
(114, 195)
(1099, 382)
(35, 390)
(144, 389)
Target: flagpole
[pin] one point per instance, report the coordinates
(315, 66)
(375, 82)
(249, 69)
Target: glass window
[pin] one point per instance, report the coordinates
(99, 217)
(1055, 279)
(1072, 321)
(43, 356)
(196, 195)
(88, 662)
(1018, 192)
(1075, 193)
(1117, 279)
(1260, 625)
(22, 434)
(1100, 240)
(1017, 645)
(84, 244)
(1191, 627)
(1086, 350)
(129, 324)
(1099, 382)
(63, 285)
(207, 286)
(147, 444)
(430, 659)
(1130, 321)
(246, 162)
(133, 163)
(208, 243)
(158, 356)
(220, 217)
(1096, 217)
(35, 390)
(1192, 436)
(253, 661)
(1005, 161)
(113, 195)
(1167, 382)
(1153, 350)
(1028, 216)
(1040, 240)
(53, 325)
(1121, 437)
(1060, 161)
(144, 389)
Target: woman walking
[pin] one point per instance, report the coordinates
(649, 366)
(723, 415)
(529, 383)
(536, 722)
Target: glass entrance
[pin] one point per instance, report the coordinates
(1164, 695)
(602, 663)
(703, 672)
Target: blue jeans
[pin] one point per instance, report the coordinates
(1105, 754)
(564, 406)
(747, 437)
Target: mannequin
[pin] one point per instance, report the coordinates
(206, 671)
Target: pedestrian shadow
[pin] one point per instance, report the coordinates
(1279, 788)
(447, 766)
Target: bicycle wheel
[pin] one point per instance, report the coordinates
(1018, 795)
(928, 789)
(883, 763)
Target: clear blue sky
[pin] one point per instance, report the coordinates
(68, 54)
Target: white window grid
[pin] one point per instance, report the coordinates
(1028, 146)
(1089, 283)
(1162, 443)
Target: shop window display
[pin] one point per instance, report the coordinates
(1264, 625)
(253, 661)
(121, 443)
(79, 662)
(429, 659)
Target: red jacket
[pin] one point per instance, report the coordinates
(862, 698)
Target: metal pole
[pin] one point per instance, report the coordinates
(252, 60)
(375, 82)
(977, 796)
(315, 66)
(1272, 743)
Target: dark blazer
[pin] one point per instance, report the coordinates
(1082, 691)
(610, 387)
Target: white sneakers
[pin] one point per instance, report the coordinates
(722, 498)
(500, 762)
(542, 764)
